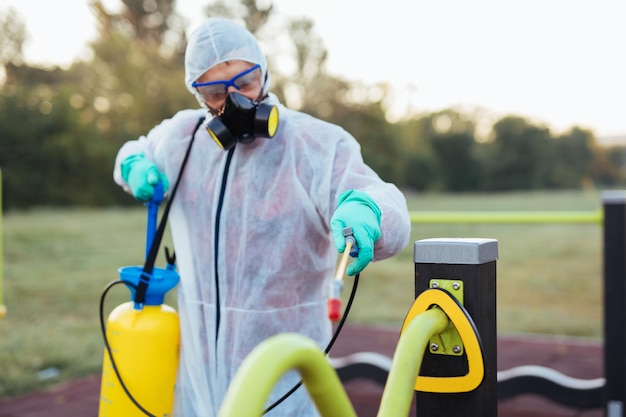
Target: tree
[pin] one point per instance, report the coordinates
(609, 166)
(253, 16)
(616, 156)
(441, 151)
(12, 38)
(420, 170)
(308, 87)
(49, 156)
(379, 140)
(573, 158)
(151, 22)
(455, 156)
(137, 72)
(519, 156)
(450, 135)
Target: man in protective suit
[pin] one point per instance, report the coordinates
(258, 215)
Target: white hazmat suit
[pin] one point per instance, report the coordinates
(250, 227)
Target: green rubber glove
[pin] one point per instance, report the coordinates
(141, 175)
(356, 209)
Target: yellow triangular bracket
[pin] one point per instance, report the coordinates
(464, 324)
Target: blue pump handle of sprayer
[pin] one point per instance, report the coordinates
(161, 280)
(153, 212)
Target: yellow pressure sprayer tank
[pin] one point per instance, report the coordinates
(144, 341)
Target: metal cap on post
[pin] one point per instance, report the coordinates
(470, 264)
(455, 251)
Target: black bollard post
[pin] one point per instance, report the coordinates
(614, 302)
(470, 265)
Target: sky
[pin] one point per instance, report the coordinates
(556, 62)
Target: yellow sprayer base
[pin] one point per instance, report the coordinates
(145, 345)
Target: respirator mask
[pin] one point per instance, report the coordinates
(242, 120)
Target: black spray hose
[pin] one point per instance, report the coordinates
(330, 344)
(108, 347)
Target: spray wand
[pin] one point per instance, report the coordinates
(336, 285)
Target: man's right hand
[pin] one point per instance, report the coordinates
(141, 175)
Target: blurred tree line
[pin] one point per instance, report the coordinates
(60, 129)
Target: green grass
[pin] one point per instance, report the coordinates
(56, 263)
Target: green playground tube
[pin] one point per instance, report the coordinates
(407, 361)
(519, 217)
(261, 370)
(269, 361)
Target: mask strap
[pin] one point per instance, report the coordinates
(262, 96)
